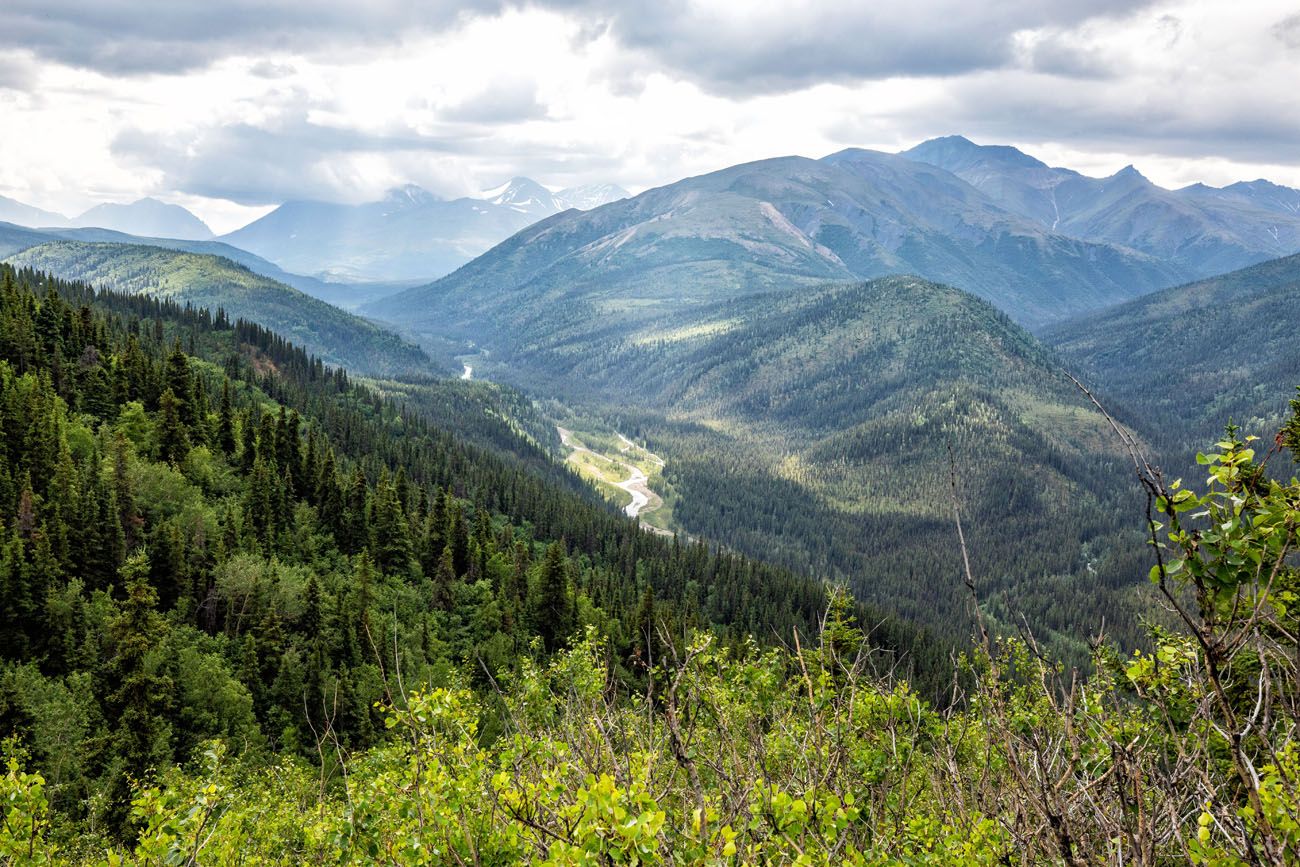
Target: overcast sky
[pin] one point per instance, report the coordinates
(230, 108)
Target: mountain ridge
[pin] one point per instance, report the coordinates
(337, 337)
(1156, 356)
(852, 215)
(1205, 230)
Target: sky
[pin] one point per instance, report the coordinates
(230, 108)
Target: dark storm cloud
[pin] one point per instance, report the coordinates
(840, 42)
(125, 37)
(752, 52)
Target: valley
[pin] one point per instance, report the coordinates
(756, 517)
(622, 466)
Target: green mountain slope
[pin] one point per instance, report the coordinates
(209, 281)
(15, 238)
(1162, 359)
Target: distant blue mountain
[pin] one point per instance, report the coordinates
(146, 217)
(408, 234)
(1201, 229)
(12, 211)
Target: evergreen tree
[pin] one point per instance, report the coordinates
(390, 538)
(226, 421)
(173, 438)
(552, 603)
(140, 690)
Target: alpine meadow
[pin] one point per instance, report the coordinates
(615, 434)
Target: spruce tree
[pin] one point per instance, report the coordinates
(552, 605)
(173, 439)
(226, 422)
(141, 693)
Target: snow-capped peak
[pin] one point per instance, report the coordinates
(523, 195)
(589, 196)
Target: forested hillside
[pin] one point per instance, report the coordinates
(207, 533)
(705, 751)
(820, 426)
(1182, 362)
(15, 238)
(213, 282)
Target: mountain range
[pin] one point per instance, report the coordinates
(774, 224)
(1204, 230)
(754, 326)
(1039, 241)
(410, 233)
(723, 319)
(148, 217)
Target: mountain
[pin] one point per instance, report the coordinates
(1161, 358)
(12, 211)
(524, 196)
(209, 281)
(589, 196)
(15, 238)
(410, 234)
(775, 223)
(148, 217)
(1198, 228)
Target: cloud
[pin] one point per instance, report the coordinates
(133, 37)
(499, 102)
(291, 159)
(731, 48)
(777, 47)
(270, 70)
(16, 73)
(1288, 31)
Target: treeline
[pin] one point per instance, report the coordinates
(206, 532)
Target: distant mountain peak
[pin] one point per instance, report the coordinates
(956, 153)
(588, 196)
(147, 217)
(13, 211)
(950, 141)
(521, 192)
(1129, 172)
(408, 195)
